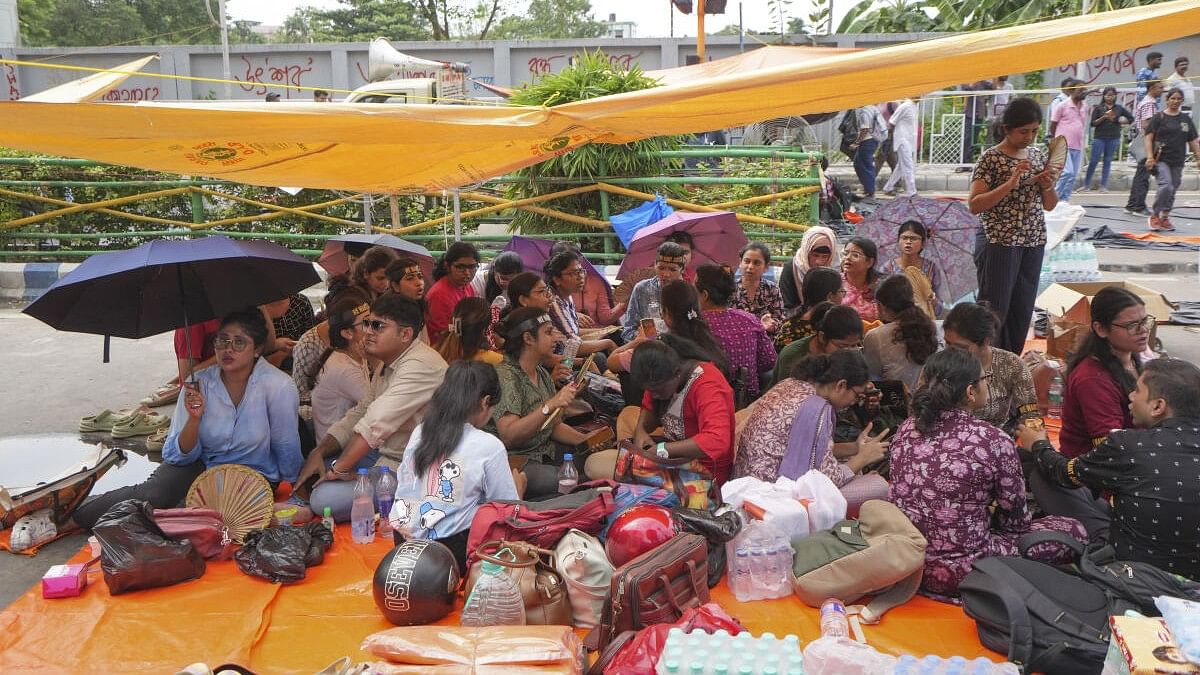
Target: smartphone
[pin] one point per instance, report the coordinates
(649, 329)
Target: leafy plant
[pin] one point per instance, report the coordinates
(791, 209)
(590, 75)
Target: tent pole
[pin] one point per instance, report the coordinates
(457, 217)
(700, 30)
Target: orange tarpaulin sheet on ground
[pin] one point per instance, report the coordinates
(226, 616)
(413, 148)
(1165, 238)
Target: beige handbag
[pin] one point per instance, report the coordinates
(881, 554)
(542, 587)
(585, 568)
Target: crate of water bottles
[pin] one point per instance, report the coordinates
(759, 563)
(955, 665)
(719, 653)
(1071, 261)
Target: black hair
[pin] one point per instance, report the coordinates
(473, 315)
(319, 92)
(522, 284)
(556, 265)
(819, 283)
(838, 323)
(340, 316)
(1104, 92)
(1181, 59)
(513, 328)
(654, 363)
(682, 237)
(974, 321)
(1066, 82)
(396, 268)
(762, 249)
(1106, 305)
(916, 227)
(914, 329)
(1020, 112)
(564, 247)
(671, 249)
(454, 401)
(1176, 381)
(405, 312)
(871, 251)
(374, 259)
(508, 262)
(1171, 92)
(345, 291)
(718, 282)
(456, 251)
(681, 302)
(252, 322)
(843, 364)
(1153, 55)
(944, 382)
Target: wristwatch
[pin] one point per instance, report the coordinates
(333, 468)
(546, 410)
(661, 451)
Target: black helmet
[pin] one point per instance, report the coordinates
(416, 583)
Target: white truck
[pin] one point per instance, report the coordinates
(398, 78)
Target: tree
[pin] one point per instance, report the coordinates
(551, 20)
(88, 23)
(895, 16)
(355, 21)
(904, 16)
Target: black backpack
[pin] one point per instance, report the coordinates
(848, 128)
(1054, 619)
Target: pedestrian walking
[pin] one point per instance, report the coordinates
(1011, 189)
(1107, 120)
(871, 132)
(1146, 109)
(904, 139)
(1148, 74)
(1179, 80)
(1168, 136)
(1070, 120)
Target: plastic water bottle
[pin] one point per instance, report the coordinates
(568, 475)
(741, 575)
(1054, 396)
(327, 519)
(758, 572)
(833, 619)
(362, 510)
(494, 601)
(385, 494)
(1046, 277)
(783, 558)
(907, 665)
(570, 349)
(500, 302)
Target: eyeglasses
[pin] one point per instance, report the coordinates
(544, 290)
(465, 267)
(575, 273)
(910, 238)
(1142, 325)
(237, 344)
(373, 325)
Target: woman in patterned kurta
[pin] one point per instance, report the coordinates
(755, 294)
(1011, 398)
(742, 336)
(959, 479)
(859, 276)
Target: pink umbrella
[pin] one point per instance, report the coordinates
(718, 238)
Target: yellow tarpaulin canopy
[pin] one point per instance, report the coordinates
(408, 148)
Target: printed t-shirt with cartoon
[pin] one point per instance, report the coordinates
(442, 503)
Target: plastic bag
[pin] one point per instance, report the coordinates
(843, 656)
(284, 554)
(626, 225)
(641, 654)
(502, 649)
(1183, 618)
(826, 505)
(771, 502)
(136, 554)
(717, 529)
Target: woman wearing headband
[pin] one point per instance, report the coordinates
(339, 379)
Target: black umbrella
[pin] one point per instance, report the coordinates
(168, 284)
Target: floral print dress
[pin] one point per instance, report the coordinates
(962, 487)
(767, 300)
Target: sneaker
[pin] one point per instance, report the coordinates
(32, 530)
(1103, 190)
(1165, 225)
(1154, 223)
(1137, 212)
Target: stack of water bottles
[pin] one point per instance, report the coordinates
(1074, 261)
(760, 563)
(699, 653)
(955, 665)
(371, 498)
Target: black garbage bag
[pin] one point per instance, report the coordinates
(283, 554)
(717, 529)
(135, 554)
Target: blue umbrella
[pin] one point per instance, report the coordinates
(168, 284)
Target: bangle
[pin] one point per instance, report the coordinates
(333, 468)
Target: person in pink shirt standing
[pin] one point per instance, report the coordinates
(1070, 120)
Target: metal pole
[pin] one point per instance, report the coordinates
(368, 215)
(671, 14)
(1079, 67)
(457, 217)
(226, 73)
(700, 30)
(741, 30)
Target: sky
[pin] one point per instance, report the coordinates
(650, 22)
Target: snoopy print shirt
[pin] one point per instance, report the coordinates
(442, 503)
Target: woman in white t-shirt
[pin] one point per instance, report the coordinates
(340, 378)
(451, 466)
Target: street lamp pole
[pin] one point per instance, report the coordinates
(700, 30)
(226, 75)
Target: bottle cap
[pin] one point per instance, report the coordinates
(329, 511)
(492, 568)
(568, 457)
(363, 472)
(384, 469)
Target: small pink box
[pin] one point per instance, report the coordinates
(64, 581)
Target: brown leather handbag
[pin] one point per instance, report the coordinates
(542, 587)
(655, 587)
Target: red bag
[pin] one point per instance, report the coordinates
(639, 652)
(204, 528)
(542, 523)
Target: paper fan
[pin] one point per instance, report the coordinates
(240, 494)
(622, 292)
(1056, 156)
(921, 290)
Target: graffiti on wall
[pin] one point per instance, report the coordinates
(261, 75)
(1117, 67)
(541, 65)
(127, 94)
(10, 78)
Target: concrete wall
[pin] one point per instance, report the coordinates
(10, 32)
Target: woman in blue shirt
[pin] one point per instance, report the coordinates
(243, 410)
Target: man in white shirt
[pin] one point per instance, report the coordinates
(904, 141)
(871, 132)
(1178, 80)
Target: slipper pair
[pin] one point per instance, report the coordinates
(140, 424)
(106, 420)
(162, 396)
(157, 440)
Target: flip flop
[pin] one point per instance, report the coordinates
(162, 396)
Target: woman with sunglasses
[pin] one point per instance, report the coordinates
(451, 282)
(243, 411)
(1103, 371)
(959, 479)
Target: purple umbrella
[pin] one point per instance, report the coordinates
(535, 252)
(951, 242)
(718, 238)
(333, 257)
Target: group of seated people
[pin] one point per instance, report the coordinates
(465, 392)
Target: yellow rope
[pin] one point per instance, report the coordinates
(13, 224)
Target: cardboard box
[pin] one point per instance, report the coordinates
(1144, 646)
(1069, 307)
